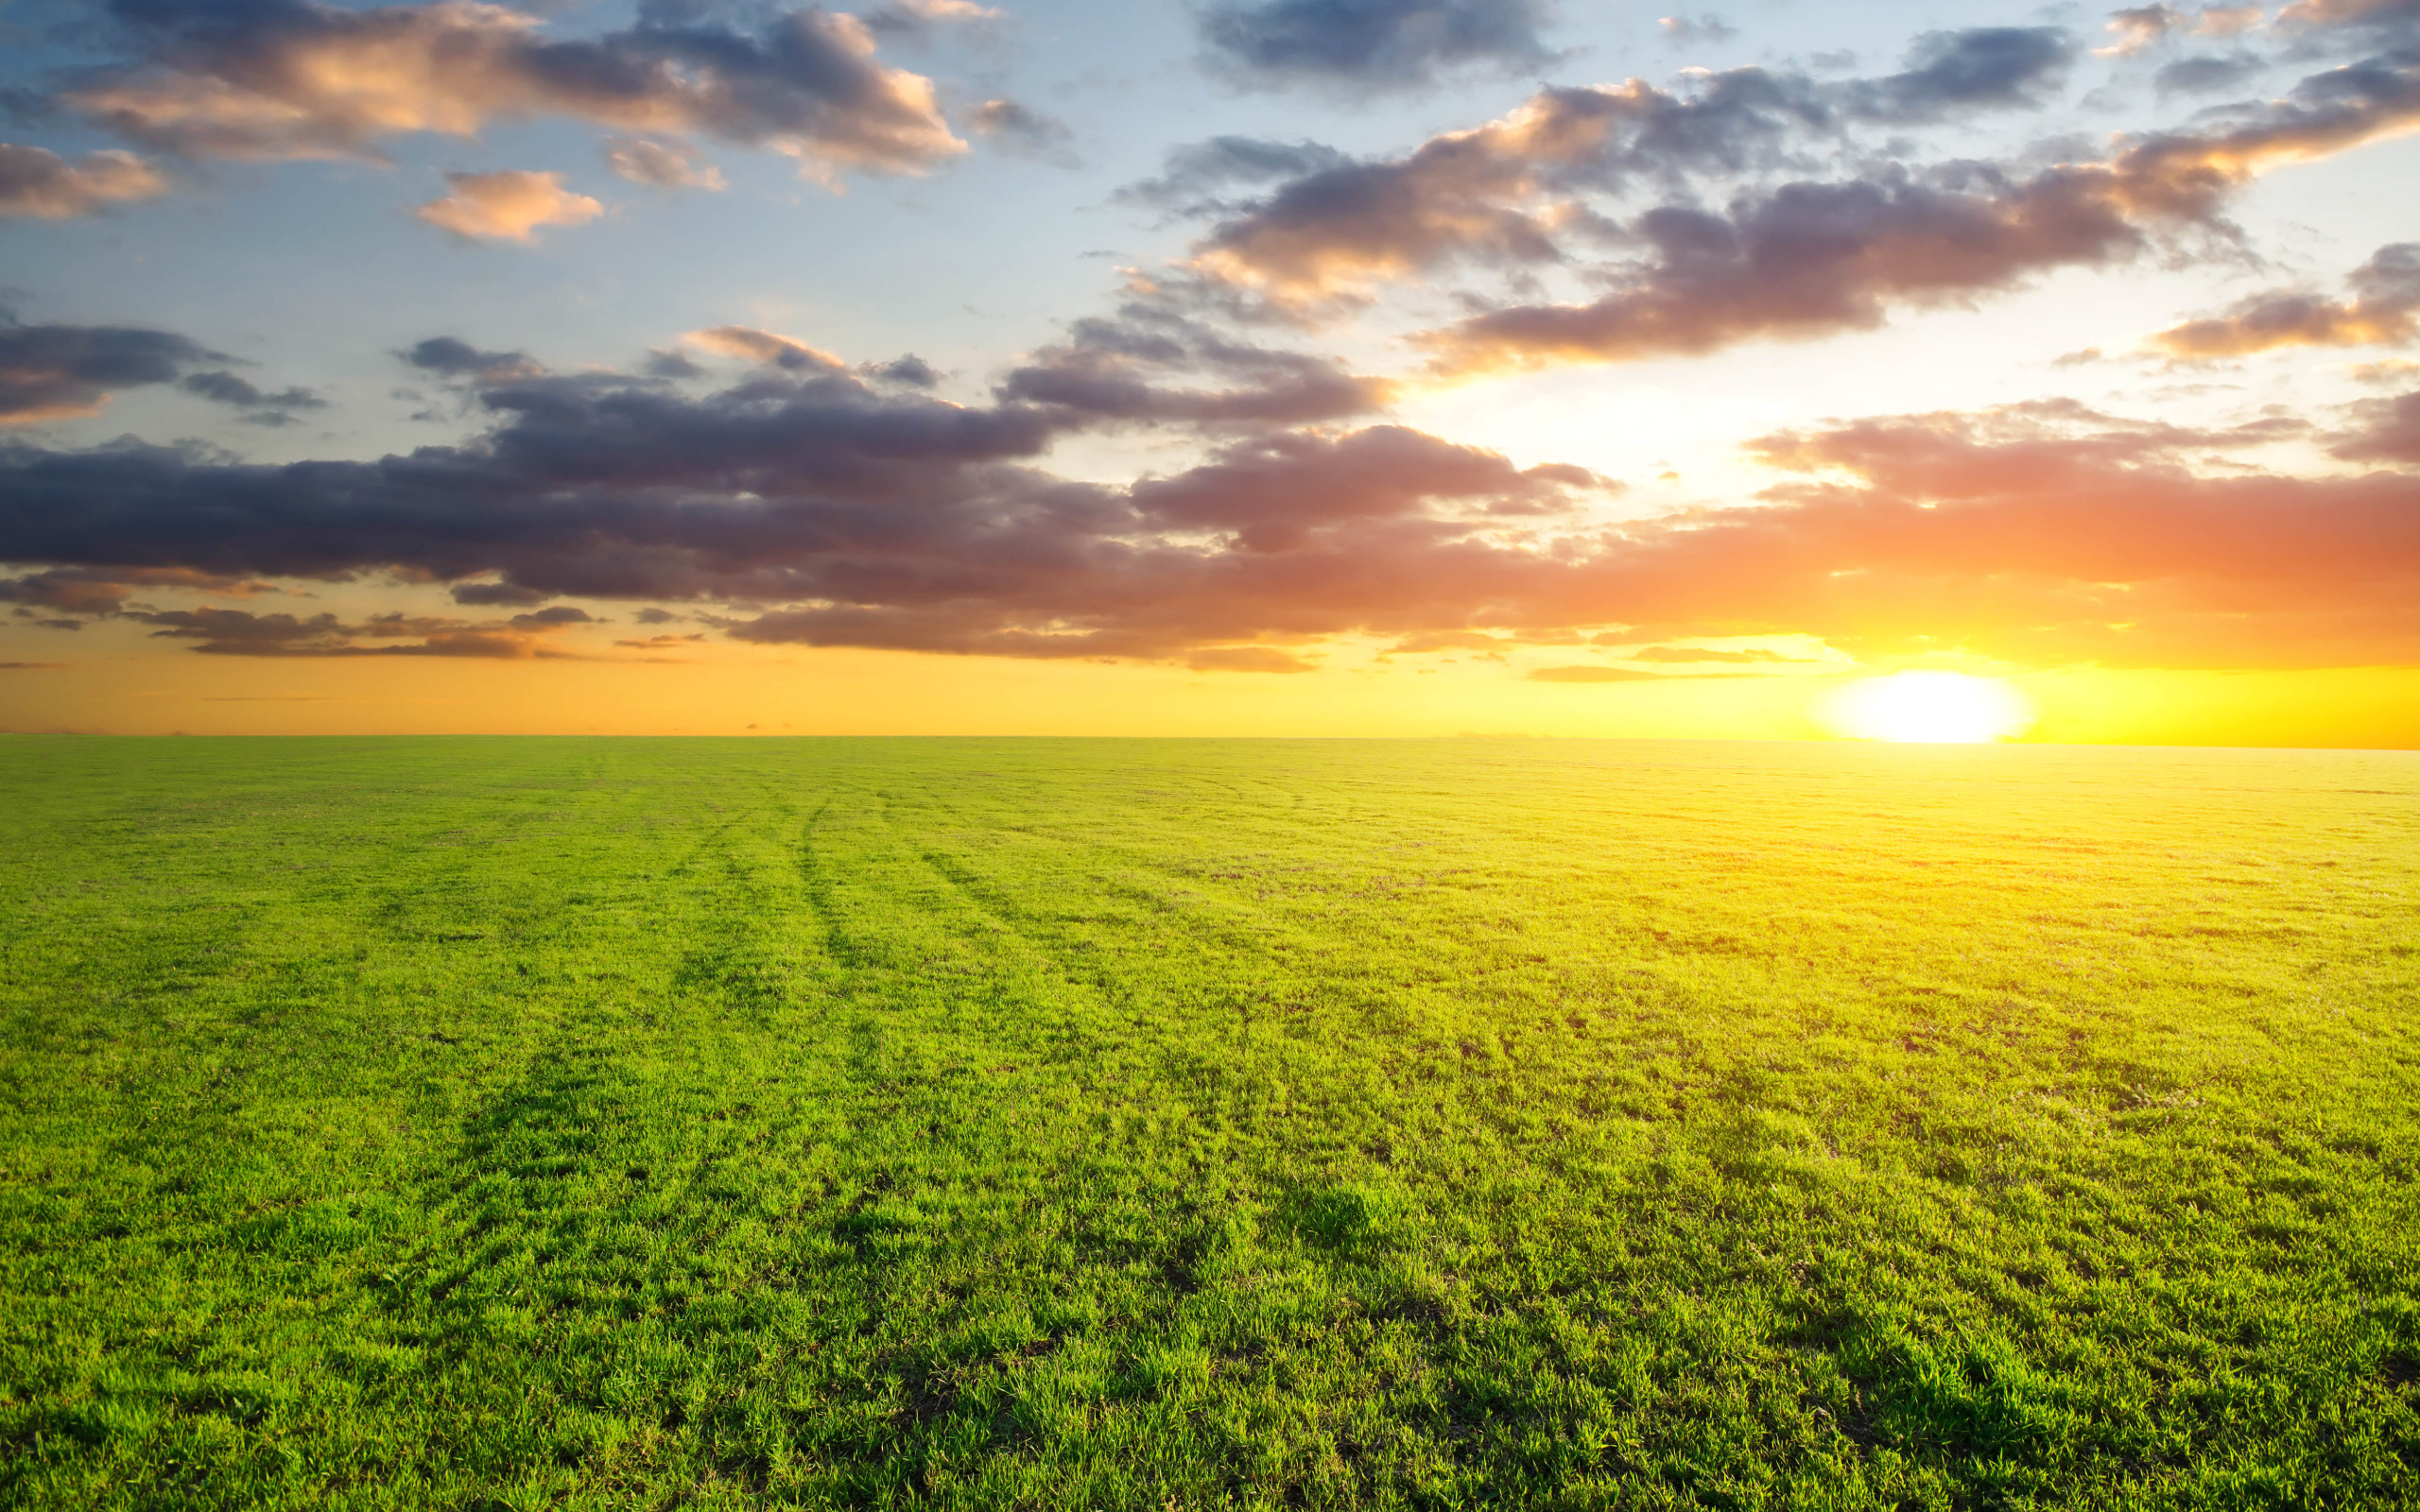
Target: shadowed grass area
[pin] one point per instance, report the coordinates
(531, 1122)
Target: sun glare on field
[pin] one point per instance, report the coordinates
(1949, 707)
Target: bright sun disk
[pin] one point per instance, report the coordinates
(1940, 707)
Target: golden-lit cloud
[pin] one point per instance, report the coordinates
(308, 80)
(748, 344)
(2383, 310)
(508, 206)
(2142, 26)
(39, 184)
(1798, 260)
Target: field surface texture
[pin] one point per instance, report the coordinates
(1139, 1125)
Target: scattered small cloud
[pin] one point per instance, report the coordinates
(1365, 46)
(1686, 31)
(452, 357)
(509, 205)
(748, 344)
(64, 372)
(510, 595)
(1020, 130)
(39, 184)
(1246, 659)
(1753, 655)
(261, 407)
(660, 164)
(1594, 675)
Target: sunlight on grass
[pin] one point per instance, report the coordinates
(1942, 707)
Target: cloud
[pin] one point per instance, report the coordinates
(240, 632)
(1516, 191)
(1594, 674)
(104, 592)
(2040, 535)
(2207, 74)
(1684, 32)
(1431, 642)
(2390, 431)
(1500, 194)
(42, 184)
(2384, 310)
(910, 371)
(1187, 182)
(2392, 18)
(1118, 369)
(1811, 259)
(748, 344)
(506, 206)
(1360, 46)
(1953, 72)
(660, 164)
(1276, 493)
(456, 358)
(293, 79)
(510, 595)
(915, 19)
(33, 666)
(1246, 659)
(63, 372)
(2145, 27)
(1699, 653)
(261, 407)
(1019, 129)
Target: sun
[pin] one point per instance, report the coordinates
(1949, 707)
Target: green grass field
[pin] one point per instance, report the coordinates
(1146, 1124)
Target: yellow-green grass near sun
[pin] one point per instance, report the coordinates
(1134, 1123)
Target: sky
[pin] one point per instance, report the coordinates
(1241, 366)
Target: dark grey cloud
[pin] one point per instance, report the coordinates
(2208, 73)
(1022, 130)
(1957, 72)
(671, 365)
(510, 595)
(105, 592)
(910, 371)
(1153, 362)
(1363, 45)
(456, 358)
(261, 407)
(1808, 259)
(1195, 174)
(1275, 494)
(56, 372)
(214, 631)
